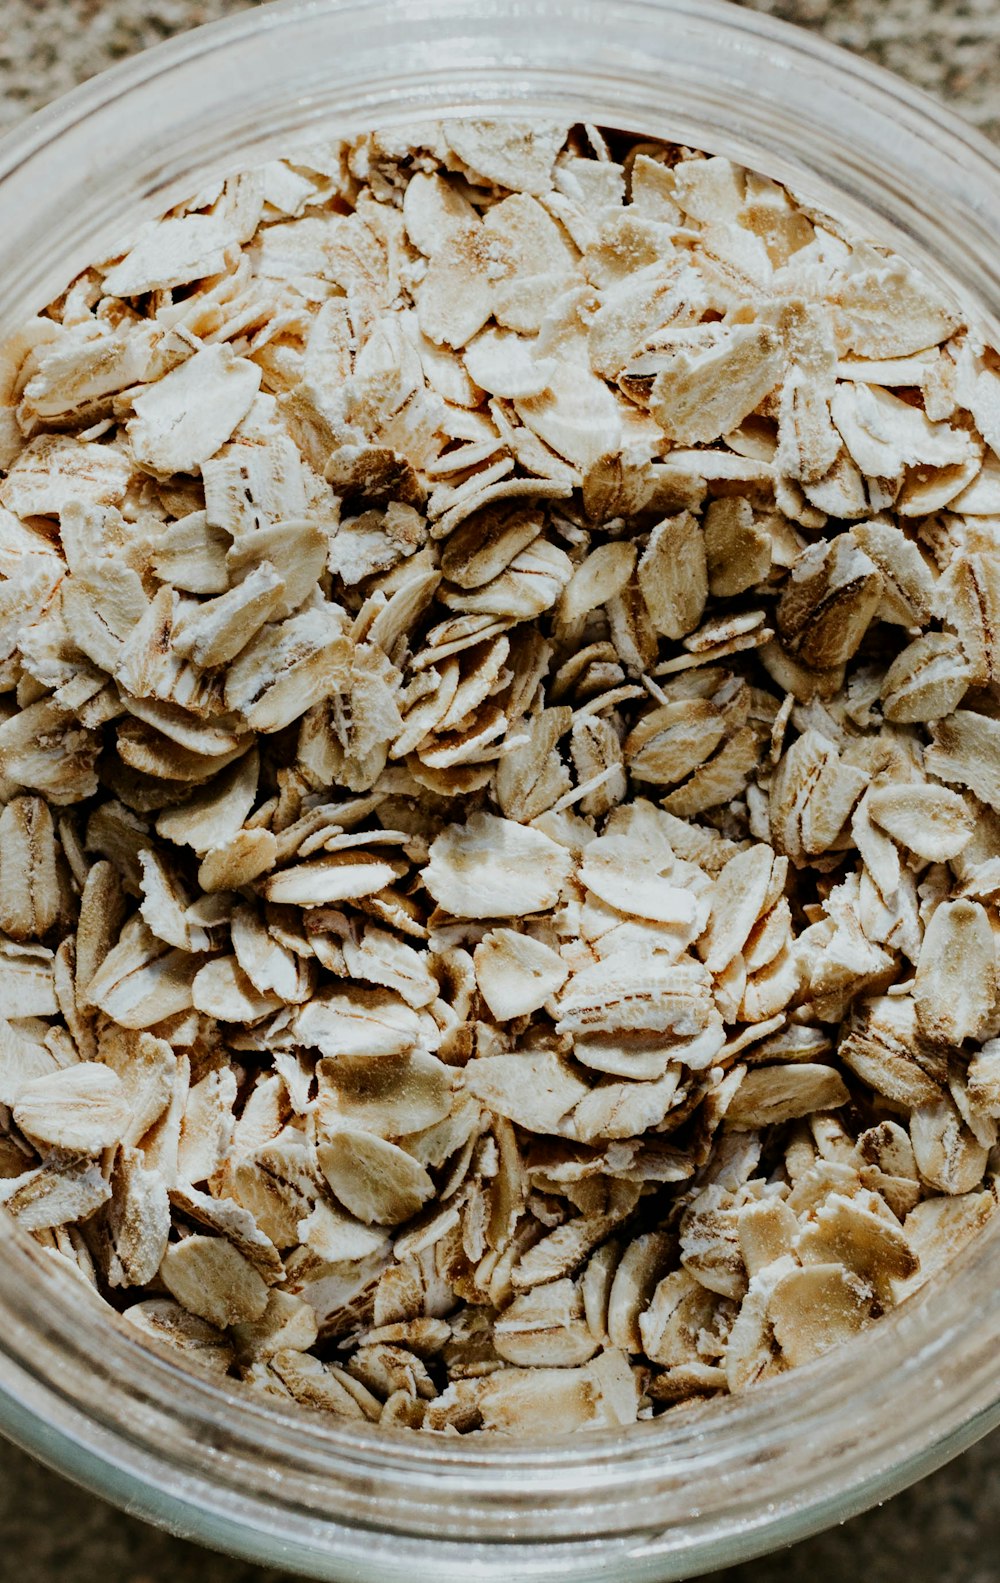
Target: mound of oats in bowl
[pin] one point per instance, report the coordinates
(500, 755)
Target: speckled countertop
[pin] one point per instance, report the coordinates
(945, 1529)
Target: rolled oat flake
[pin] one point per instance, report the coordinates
(500, 770)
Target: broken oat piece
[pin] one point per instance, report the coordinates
(499, 770)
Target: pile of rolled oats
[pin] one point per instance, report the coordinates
(500, 762)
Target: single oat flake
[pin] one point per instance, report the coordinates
(499, 770)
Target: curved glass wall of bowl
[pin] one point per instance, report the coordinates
(667, 1500)
(78, 175)
(698, 1488)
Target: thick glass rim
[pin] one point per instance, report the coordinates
(702, 1486)
(839, 129)
(669, 1498)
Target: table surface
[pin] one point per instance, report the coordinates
(943, 1530)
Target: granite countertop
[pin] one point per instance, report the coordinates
(945, 1529)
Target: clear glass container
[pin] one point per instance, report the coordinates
(699, 1488)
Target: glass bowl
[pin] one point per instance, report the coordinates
(698, 1488)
